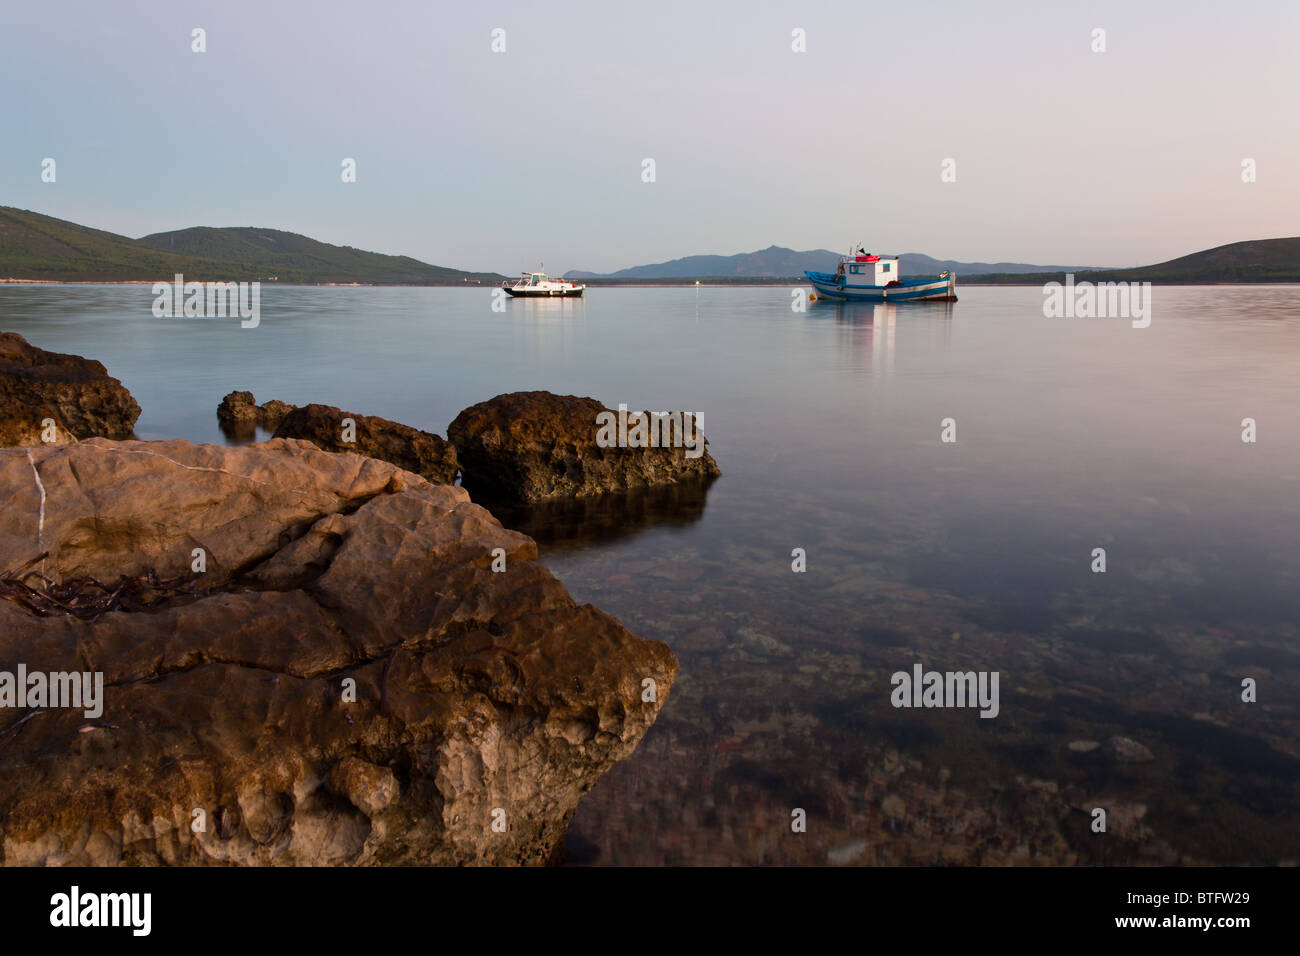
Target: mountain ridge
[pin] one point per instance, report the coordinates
(36, 247)
(780, 262)
(40, 247)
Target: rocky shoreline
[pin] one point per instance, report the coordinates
(341, 658)
(51, 398)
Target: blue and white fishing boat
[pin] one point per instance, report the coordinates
(863, 277)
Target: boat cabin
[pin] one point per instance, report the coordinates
(870, 270)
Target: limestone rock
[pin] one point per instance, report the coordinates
(228, 733)
(76, 393)
(536, 446)
(424, 453)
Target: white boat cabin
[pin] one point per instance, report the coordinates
(870, 270)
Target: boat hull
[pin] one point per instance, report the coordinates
(544, 293)
(909, 290)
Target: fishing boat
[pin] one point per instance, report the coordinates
(863, 277)
(541, 285)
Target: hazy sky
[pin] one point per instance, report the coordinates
(496, 161)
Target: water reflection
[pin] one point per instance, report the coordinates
(243, 434)
(574, 523)
(868, 331)
(551, 310)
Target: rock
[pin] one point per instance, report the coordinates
(703, 640)
(894, 807)
(1126, 750)
(238, 410)
(1125, 817)
(274, 412)
(424, 453)
(240, 416)
(480, 697)
(763, 643)
(536, 446)
(847, 852)
(1122, 819)
(75, 392)
(369, 788)
(1083, 746)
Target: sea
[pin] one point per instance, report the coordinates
(1102, 514)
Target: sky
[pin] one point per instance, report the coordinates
(498, 161)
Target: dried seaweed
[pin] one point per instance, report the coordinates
(87, 598)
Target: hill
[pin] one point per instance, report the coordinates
(1254, 260)
(917, 264)
(779, 262)
(296, 258)
(769, 262)
(33, 246)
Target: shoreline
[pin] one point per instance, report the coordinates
(686, 284)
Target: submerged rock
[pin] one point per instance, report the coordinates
(76, 393)
(846, 852)
(326, 427)
(536, 446)
(1127, 750)
(352, 683)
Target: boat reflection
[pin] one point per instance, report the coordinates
(868, 330)
(546, 308)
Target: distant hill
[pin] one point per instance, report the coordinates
(1254, 260)
(917, 264)
(295, 258)
(33, 246)
(769, 262)
(779, 262)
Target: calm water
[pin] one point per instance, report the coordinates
(1072, 434)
